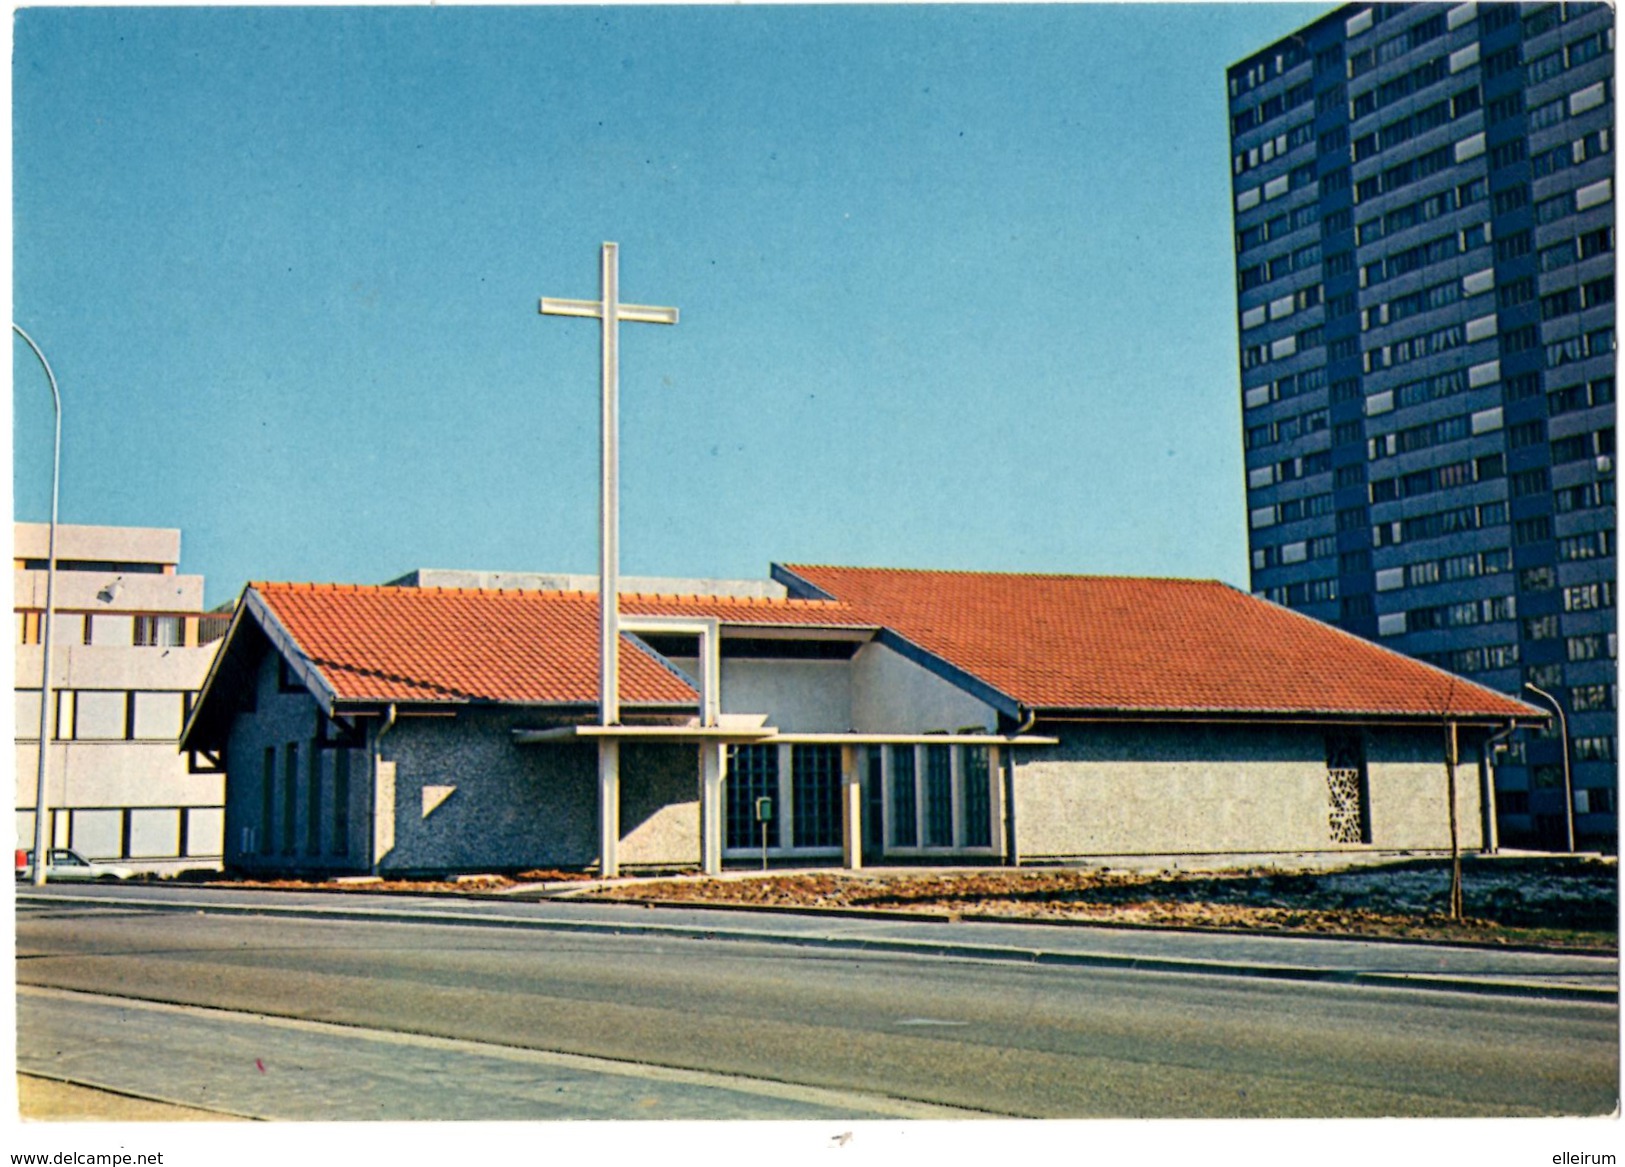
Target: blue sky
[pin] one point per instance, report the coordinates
(956, 284)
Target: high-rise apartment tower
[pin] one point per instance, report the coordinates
(1424, 229)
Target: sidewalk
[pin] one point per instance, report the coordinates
(1369, 963)
(47, 1100)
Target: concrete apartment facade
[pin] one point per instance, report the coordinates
(131, 647)
(1424, 218)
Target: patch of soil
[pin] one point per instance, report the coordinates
(1556, 903)
(458, 883)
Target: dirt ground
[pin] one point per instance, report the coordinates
(1570, 903)
(1558, 902)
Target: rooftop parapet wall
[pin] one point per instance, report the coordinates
(155, 545)
(434, 577)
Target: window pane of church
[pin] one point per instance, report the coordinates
(902, 797)
(341, 802)
(975, 806)
(267, 801)
(874, 806)
(313, 804)
(290, 794)
(939, 797)
(753, 772)
(816, 772)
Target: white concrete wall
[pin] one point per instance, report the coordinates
(78, 591)
(891, 694)
(1115, 789)
(1410, 805)
(113, 774)
(1194, 789)
(799, 696)
(877, 691)
(802, 696)
(81, 666)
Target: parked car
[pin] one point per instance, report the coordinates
(68, 866)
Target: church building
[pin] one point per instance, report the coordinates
(837, 715)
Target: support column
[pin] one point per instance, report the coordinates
(1012, 848)
(851, 810)
(383, 815)
(1489, 835)
(713, 769)
(609, 808)
(995, 799)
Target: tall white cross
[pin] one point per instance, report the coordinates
(610, 311)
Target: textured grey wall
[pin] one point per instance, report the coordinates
(1188, 789)
(462, 797)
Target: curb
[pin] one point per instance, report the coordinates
(947, 916)
(587, 891)
(963, 951)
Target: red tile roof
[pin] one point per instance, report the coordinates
(1094, 643)
(407, 644)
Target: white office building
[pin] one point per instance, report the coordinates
(130, 648)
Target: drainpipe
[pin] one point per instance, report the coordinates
(372, 788)
(1012, 857)
(1492, 826)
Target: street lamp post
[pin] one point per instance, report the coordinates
(1568, 778)
(42, 811)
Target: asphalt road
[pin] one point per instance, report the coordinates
(400, 1020)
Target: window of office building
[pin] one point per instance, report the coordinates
(157, 631)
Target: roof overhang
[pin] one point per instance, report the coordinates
(763, 735)
(1533, 720)
(853, 633)
(283, 641)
